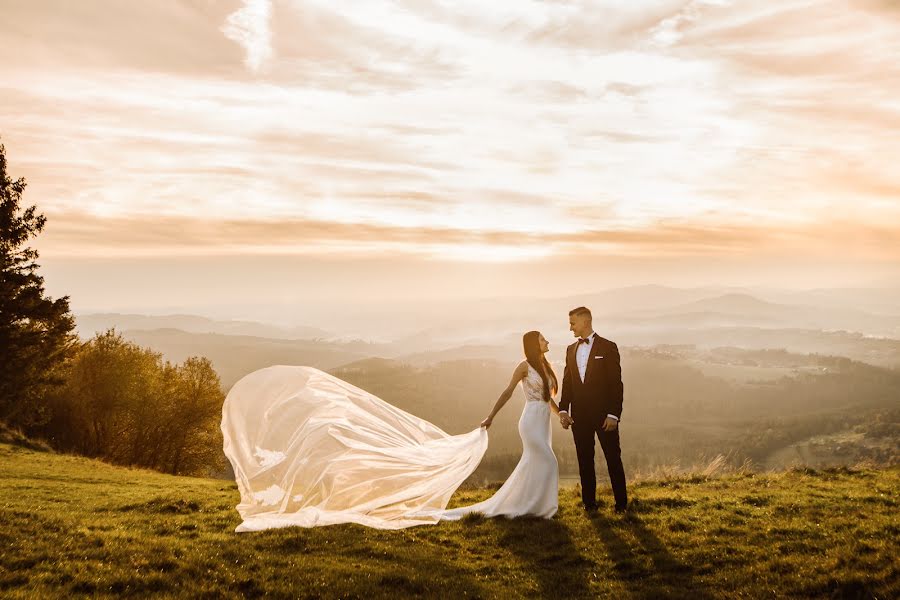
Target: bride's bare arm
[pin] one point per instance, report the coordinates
(517, 376)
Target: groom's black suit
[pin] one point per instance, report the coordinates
(588, 403)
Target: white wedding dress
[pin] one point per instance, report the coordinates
(310, 449)
(533, 486)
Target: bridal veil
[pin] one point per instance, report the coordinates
(310, 449)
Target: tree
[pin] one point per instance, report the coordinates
(194, 416)
(124, 404)
(109, 397)
(35, 331)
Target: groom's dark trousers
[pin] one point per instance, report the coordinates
(589, 402)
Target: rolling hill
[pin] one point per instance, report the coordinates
(74, 527)
(90, 323)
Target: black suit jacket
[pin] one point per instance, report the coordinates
(602, 391)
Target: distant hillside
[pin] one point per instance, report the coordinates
(74, 527)
(369, 364)
(883, 352)
(735, 303)
(499, 353)
(874, 300)
(683, 406)
(234, 356)
(736, 309)
(646, 298)
(632, 316)
(621, 311)
(88, 324)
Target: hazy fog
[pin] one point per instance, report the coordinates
(641, 315)
(776, 377)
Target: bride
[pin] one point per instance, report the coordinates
(533, 487)
(310, 449)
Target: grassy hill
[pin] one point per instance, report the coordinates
(71, 526)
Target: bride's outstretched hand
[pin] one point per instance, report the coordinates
(487, 422)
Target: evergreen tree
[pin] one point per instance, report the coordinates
(35, 331)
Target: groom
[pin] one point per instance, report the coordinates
(591, 402)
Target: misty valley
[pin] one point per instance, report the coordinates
(712, 398)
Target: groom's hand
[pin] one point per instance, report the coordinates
(565, 420)
(610, 424)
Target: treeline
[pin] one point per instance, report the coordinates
(106, 398)
(124, 404)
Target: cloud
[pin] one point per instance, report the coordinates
(250, 27)
(153, 235)
(176, 37)
(819, 82)
(571, 126)
(606, 25)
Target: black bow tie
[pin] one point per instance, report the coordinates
(586, 340)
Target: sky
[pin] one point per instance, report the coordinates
(218, 156)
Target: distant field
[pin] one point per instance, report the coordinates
(749, 373)
(74, 527)
(822, 451)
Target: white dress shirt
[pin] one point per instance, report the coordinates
(582, 355)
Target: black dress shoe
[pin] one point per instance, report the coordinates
(590, 508)
(621, 509)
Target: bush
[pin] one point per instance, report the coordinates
(124, 404)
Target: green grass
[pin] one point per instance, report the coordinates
(71, 526)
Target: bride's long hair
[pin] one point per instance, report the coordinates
(531, 342)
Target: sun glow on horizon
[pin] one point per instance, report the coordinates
(484, 253)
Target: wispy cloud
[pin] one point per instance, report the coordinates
(249, 26)
(576, 126)
(155, 236)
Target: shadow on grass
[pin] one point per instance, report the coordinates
(546, 547)
(359, 562)
(664, 577)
